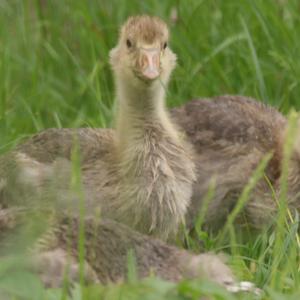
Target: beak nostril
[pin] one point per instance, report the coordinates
(149, 62)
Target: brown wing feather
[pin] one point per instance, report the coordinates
(231, 134)
(53, 143)
(231, 119)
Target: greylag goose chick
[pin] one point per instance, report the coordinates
(231, 135)
(141, 173)
(55, 253)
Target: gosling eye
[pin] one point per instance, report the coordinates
(165, 45)
(128, 43)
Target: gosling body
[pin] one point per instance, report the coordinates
(107, 246)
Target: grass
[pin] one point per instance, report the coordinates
(54, 72)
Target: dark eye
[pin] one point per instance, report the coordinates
(165, 45)
(128, 43)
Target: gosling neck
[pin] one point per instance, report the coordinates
(141, 105)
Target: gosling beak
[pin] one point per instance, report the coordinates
(149, 62)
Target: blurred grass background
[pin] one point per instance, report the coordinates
(54, 72)
(54, 56)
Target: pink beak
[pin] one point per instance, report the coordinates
(149, 62)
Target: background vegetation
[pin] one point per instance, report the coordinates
(54, 72)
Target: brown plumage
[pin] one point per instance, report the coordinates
(231, 135)
(141, 174)
(106, 252)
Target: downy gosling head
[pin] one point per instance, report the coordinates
(142, 55)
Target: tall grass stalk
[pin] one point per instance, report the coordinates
(258, 174)
(77, 188)
(278, 254)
